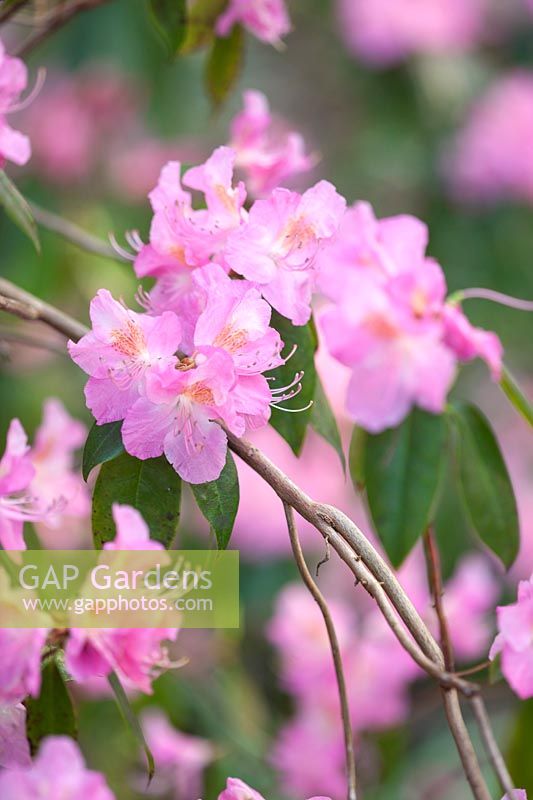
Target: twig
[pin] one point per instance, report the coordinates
(335, 649)
(491, 746)
(64, 15)
(478, 706)
(437, 590)
(11, 9)
(23, 304)
(73, 233)
(473, 670)
(17, 337)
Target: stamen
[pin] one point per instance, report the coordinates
(298, 377)
(121, 250)
(495, 297)
(293, 410)
(39, 83)
(134, 240)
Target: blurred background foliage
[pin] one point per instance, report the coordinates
(381, 135)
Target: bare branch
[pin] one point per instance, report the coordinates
(23, 304)
(73, 233)
(19, 337)
(335, 649)
(65, 13)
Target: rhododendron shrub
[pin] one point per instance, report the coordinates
(276, 365)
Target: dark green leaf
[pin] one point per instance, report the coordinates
(130, 718)
(51, 713)
(18, 209)
(402, 469)
(516, 396)
(224, 65)
(104, 443)
(219, 501)
(357, 458)
(485, 485)
(519, 758)
(200, 28)
(151, 486)
(323, 421)
(293, 426)
(170, 21)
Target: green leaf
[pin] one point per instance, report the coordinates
(324, 423)
(224, 65)
(485, 484)
(170, 18)
(219, 501)
(519, 758)
(52, 712)
(130, 718)
(151, 486)
(516, 396)
(200, 29)
(356, 458)
(18, 209)
(402, 469)
(104, 443)
(293, 426)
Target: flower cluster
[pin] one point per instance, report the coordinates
(487, 162)
(515, 641)
(381, 32)
(14, 146)
(266, 19)
(39, 484)
(390, 322)
(267, 153)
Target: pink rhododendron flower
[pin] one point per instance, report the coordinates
(137, 655)
(180, 759)
(486, 161)
(278, 245)
(119, 352)
(382, 32)
(267, 152)
(176, 416)
(58, 771)
(515, 641)
(239, 790)
(266, 19)
(17, 504)
(519, 794)
(14, 146)
(390, 323)
(20, 666)
(14, 747)
(132, 531)
(56, 484)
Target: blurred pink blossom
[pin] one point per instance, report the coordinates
(382, 32)
(14, 747)
(17, 504)
(266, 19)
(515, 641)
(390, 323)
(14, 146)
(180, 759)
(491, 156)
(132, 531)
(58, 771)
(268, 152)
(56, 483)
(20, 666)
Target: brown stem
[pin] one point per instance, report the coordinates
(11, 9)
(73, 233)
(19, 337)
(64, 15)
(23, 304)
(335, 649)
(491, 747)
(437, 591)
